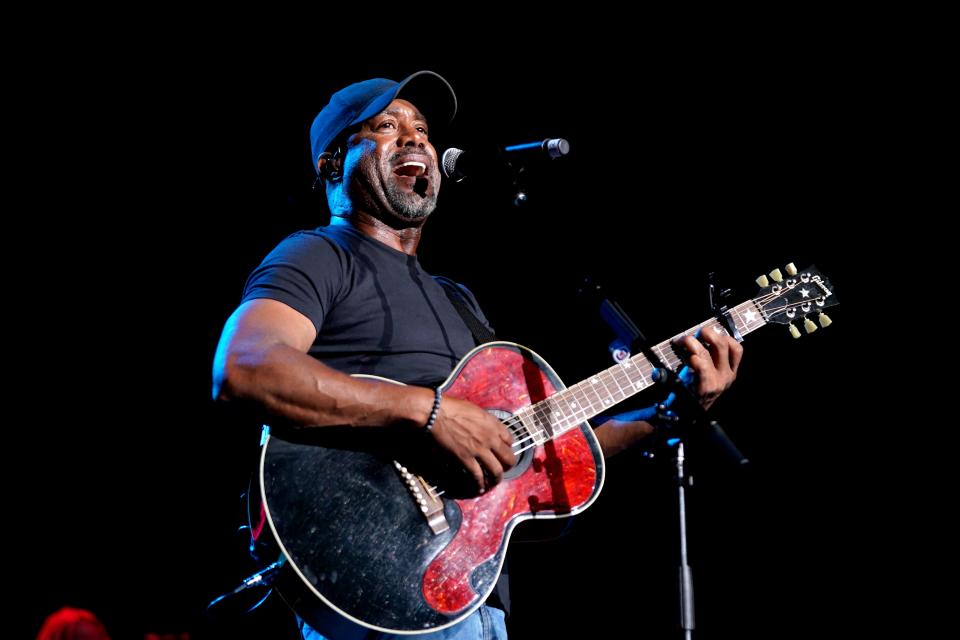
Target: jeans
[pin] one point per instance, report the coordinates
(486, 623)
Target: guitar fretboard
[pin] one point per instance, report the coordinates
(570, 407)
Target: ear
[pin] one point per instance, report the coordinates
(330, 165)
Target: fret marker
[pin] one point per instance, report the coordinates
(595, 380)
(606, 401)
(751, 316)
(573, 405)
(638, 385)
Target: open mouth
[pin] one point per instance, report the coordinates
(411, 169)
(413, 173)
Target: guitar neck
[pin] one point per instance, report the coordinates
(570, 407)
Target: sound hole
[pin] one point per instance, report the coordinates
(520, 434)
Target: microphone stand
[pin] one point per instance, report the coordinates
(687, 618)
(628, 334)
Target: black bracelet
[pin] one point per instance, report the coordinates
(435, 411)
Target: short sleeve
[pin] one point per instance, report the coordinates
(305, 272)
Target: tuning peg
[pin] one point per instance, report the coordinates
(762, 281)
(793, 330)
(791, 269)
(824, 320)
(808, 325)
(776, 276)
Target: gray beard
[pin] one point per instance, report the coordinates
(409, 206)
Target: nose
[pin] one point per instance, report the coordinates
(411, 136)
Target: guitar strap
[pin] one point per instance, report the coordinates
(481, 334)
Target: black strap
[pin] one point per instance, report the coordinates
(481, 334)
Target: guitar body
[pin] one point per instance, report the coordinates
(354, 535)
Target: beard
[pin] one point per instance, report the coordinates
(410, 205)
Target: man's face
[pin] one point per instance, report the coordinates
(391, 168)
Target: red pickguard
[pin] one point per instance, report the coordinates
(562, 477)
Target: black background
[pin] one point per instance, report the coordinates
(170, 181)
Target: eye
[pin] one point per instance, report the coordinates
(423, 130)
(385, 124)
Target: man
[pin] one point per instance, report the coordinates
(351, 298)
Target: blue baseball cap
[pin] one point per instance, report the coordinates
(428, 91)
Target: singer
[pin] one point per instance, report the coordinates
(351, 298)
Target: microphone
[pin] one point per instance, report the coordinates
(458, 164)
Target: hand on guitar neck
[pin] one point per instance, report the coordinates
(714, 358)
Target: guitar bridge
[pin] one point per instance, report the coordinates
(431, 506)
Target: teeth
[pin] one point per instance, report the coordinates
(419, 168)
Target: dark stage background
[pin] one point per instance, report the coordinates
(736, 164)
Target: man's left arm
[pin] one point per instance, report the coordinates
(714, 359)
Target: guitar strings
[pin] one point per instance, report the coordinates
(540, 410)
(516, 426)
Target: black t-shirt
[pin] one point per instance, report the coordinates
(375, 309)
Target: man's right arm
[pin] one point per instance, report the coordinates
(262, 360)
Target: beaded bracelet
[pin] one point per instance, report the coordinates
(434, 411)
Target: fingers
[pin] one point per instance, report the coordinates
(719, 350)
(726, 352)
(715, 362)
(700, 359)
(472, 466)
(718, 346)
(487, 466)
(504, 453)
(736, 354)
(499, 457)
(494, 470)
(479, 440)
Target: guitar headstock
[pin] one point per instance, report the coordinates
(794, 296)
